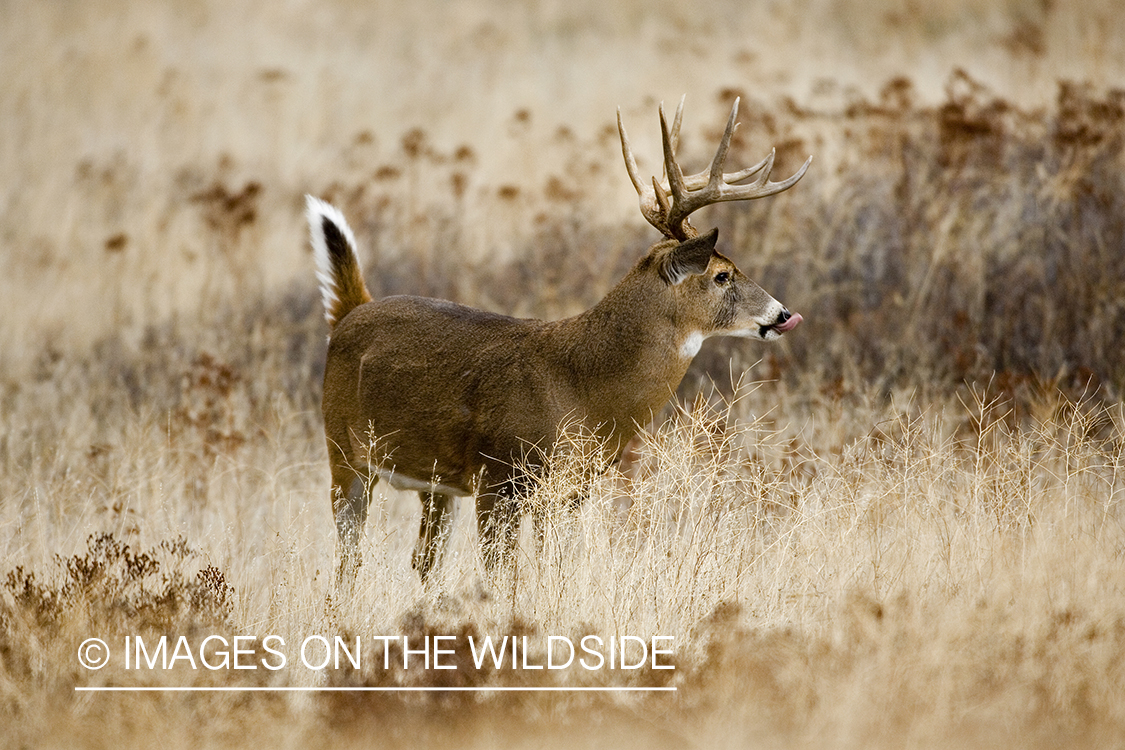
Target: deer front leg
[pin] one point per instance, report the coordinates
(433, 534)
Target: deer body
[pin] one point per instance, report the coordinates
(449, 400)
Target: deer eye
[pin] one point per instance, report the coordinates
(722, 277)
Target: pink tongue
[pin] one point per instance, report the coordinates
(790, 324)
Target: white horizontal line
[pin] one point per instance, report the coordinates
(363, 689)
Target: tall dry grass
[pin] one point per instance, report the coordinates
(901, 526)
(947, 578)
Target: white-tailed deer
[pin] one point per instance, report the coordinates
(454, 398)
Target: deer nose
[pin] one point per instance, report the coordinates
(786, 321)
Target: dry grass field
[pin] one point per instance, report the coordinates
(901, 526)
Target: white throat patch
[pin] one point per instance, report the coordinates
(691, 345)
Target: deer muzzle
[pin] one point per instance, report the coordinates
(786, 321)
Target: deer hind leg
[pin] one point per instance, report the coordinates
(498, 525)
(350, 513)
(433, 534)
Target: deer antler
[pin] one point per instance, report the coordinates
(692, 192)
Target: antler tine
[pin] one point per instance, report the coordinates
(742, 174)
(676, 123)
(671, 168)
(700, 179)
(762, 187)
(662, 204)
(627, 152)
(650, 204)
(724, 146)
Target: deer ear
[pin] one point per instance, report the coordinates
(688, 258)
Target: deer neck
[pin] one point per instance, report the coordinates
(625, 353)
